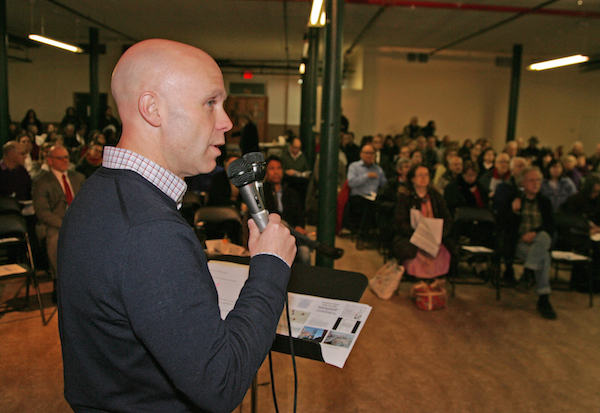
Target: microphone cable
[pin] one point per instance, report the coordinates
(292, 353)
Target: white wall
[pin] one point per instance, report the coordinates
(469, 99)
(47, 85)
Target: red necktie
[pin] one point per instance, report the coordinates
(68, 193)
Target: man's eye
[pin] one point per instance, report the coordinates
(211, 102)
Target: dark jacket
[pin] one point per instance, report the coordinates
(509, 222)
(293, 209)
(402, 249)
(458, 194)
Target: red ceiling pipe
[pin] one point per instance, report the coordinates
(472, 7)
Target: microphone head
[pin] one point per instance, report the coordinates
(240, 173)
(257, 162)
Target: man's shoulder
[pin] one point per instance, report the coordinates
(44, 177)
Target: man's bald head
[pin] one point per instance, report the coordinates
(170, 99)
(157, 65)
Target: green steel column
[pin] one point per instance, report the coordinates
(4, 116)
(94, 89)
(514, 91)
(308, 108)
(330, 127)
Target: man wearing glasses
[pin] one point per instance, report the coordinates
(365, 178)
(53, 192)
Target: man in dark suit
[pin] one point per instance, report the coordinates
(53, 192)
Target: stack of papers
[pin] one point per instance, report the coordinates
(333, 324)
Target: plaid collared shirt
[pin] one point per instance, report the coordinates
(169, 183)
(531, 217)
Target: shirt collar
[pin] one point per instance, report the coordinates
(165, 180)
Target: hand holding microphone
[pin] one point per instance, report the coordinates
(247, 175)
(274, 237)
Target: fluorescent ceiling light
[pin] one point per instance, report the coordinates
(55, 43)
(316, 14)
(564, 61)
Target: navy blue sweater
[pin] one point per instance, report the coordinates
(138, 315)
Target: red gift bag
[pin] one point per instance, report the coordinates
(429, 296)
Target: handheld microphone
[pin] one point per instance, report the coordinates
(242, 175)
(256, 160)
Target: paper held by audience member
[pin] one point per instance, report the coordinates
(428, 232)
(334, 324)
(372, 196)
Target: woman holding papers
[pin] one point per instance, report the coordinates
(422, 226)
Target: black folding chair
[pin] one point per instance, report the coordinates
(573, 250)
(474, 236)
(16, 261)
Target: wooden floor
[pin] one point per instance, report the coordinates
(478, 355)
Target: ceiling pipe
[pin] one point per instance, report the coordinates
(491, 27)
(496, 8)
(370, 23)
(477, 7)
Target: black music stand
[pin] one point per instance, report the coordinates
(316, 281)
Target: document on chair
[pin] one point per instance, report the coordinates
(334, 324)
(428, 232)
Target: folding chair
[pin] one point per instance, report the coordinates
(218, 222)
(573, 248)
(9, 205)
(474, 235)
(16, 260)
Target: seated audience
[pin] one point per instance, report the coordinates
(416, 158)
(465, 150)
(499, 173)
(365, 178)
(30, 119)
(594, 160)
(430, 156)
(412, 130)
(350, 149)
(587, 203)
(25, 141)
(53, 192)
(221, 191)
(381, 158)
(455, 168)
(557, 187)
(91, 159)
(475, 153)
(528, 224)
(582, 166)
(14, 178)
(296, 167)
(283, 200)
(486, 160)
(465, 191)
(569, 166)
(432, 205)
(532, 151)
(511, 148)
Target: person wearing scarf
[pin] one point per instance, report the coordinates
(432, 205)
(465, 191)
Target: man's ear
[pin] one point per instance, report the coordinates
(148, 107)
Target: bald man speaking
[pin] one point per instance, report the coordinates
(139, 320)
